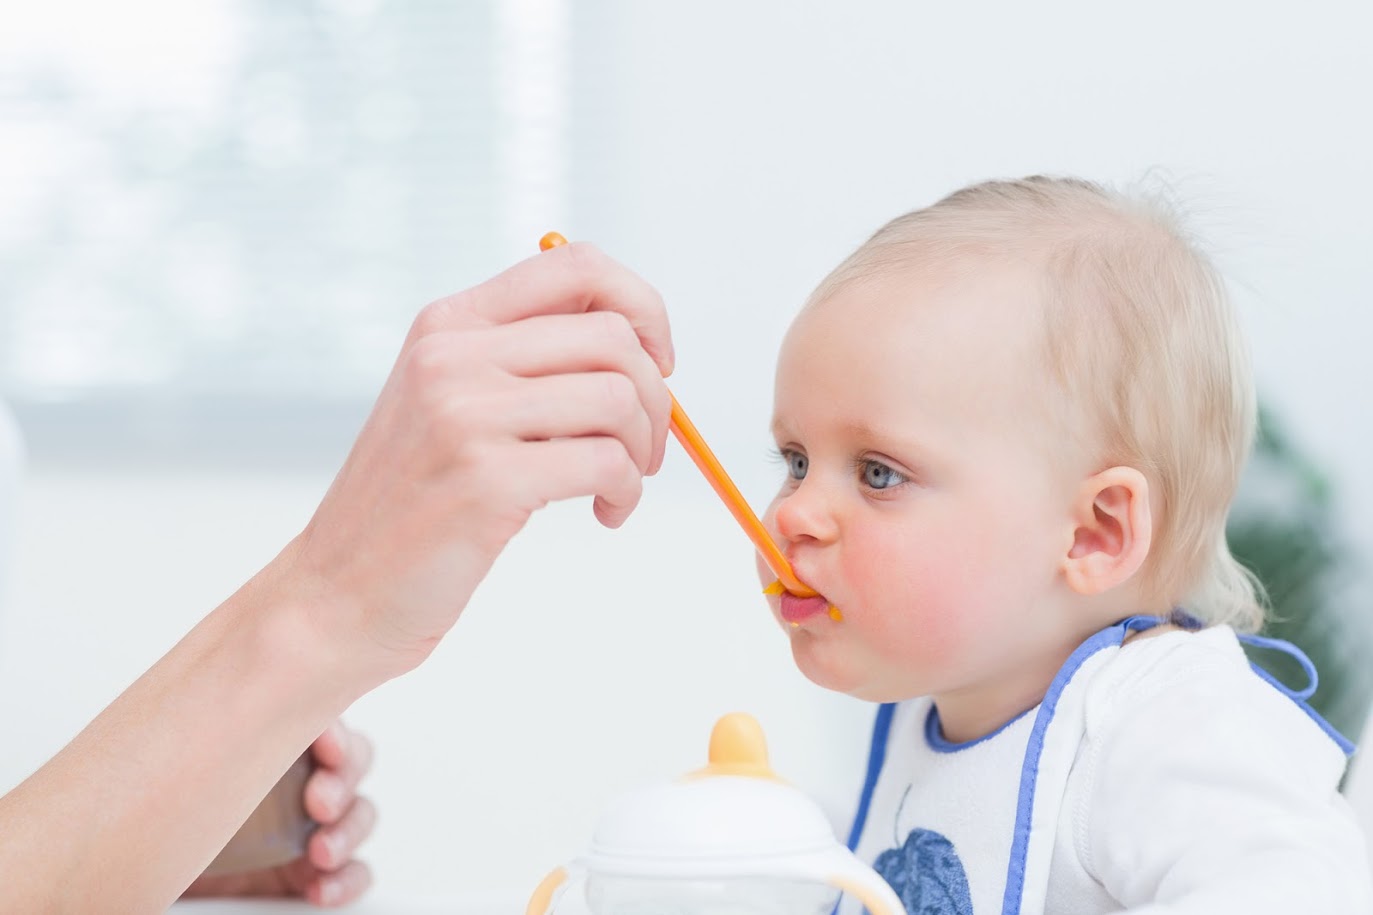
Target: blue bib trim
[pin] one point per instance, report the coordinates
(1298, 696)
(1029, 772)
(877, 755)
(936, 741)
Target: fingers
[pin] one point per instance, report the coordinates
(544, 378)
(330, 748)
(593, 403)
(340, 887)
(332, 846)
(569, 279)
(346, 821)
(562, 344)
(571, 467)
(344, 757)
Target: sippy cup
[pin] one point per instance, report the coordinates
(729, 839)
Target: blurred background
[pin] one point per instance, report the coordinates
(218, 219)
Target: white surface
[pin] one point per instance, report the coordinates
(366, 907)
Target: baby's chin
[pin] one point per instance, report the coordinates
(820, 663)
(827, 666)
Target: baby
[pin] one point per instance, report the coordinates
(1013, 424)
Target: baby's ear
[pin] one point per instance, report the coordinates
(1113, 533)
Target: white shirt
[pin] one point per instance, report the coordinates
(1163, 776)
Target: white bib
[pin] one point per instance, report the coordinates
(969, 829)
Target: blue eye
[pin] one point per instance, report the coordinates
(877, 475)
(797, 464)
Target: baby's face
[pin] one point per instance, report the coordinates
(925, 494)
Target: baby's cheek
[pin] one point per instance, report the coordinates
(915, 600)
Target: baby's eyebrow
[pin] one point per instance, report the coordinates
(896, 442)
(777, 427)
(865, 430)
(895, 438)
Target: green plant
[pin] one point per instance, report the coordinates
(1284, 528)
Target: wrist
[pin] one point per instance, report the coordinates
(317, 632)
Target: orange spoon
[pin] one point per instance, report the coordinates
(704, 458)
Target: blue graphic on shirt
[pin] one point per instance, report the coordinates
(927, 876)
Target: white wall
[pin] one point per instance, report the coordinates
(732, 152)
(736, 151)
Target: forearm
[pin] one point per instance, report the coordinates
(131, 811)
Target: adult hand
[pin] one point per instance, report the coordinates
(327, 874)
(541, 384)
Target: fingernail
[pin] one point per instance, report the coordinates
(329, 892)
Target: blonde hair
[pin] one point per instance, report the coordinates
(1140, 337)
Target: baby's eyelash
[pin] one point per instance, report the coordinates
(776, 456)
(859, 464)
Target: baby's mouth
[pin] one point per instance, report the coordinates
(796, 610)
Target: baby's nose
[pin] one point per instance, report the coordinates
(804, 514)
